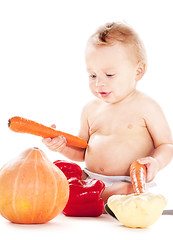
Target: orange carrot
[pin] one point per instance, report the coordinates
(138, 177)
(22, 125)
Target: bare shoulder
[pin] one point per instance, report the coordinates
(87, 111)
(147, 104)
(91, 106)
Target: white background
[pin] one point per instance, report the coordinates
(43, 76)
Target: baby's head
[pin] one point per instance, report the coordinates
(115, 53)
(111, 33)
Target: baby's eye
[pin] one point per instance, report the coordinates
(110, 75)
(93, 76)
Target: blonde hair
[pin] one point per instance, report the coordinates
(109, 33)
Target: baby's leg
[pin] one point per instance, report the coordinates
(84, 175)
(118, 188)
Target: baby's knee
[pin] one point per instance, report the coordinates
(121, 188)
(84, 175)
(118, 188)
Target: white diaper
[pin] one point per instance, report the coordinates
(109, 180)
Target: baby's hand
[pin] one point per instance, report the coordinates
(55, 144)
(151, 166)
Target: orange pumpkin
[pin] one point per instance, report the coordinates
(32, 189)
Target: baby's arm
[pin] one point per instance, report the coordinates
(59, 144)
(160, 132)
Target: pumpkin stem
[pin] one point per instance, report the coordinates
(9, 122)
(36, 148)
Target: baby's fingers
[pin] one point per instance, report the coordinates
(56, 141)
(58, 147)
(56, 144)
(46, 141)
(150, 176)
(145, 160)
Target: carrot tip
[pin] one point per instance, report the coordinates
(9, 122)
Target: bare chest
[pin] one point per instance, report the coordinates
(113, 120)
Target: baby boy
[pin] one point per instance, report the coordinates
(122, 124)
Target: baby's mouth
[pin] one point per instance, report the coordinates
(104, 94)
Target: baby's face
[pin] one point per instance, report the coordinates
(112, 71)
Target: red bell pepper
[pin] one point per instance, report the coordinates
(69, 168)
(85, 195)
(84, 199)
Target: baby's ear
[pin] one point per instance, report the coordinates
(140, 70)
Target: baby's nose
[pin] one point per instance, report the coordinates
(100, 82)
